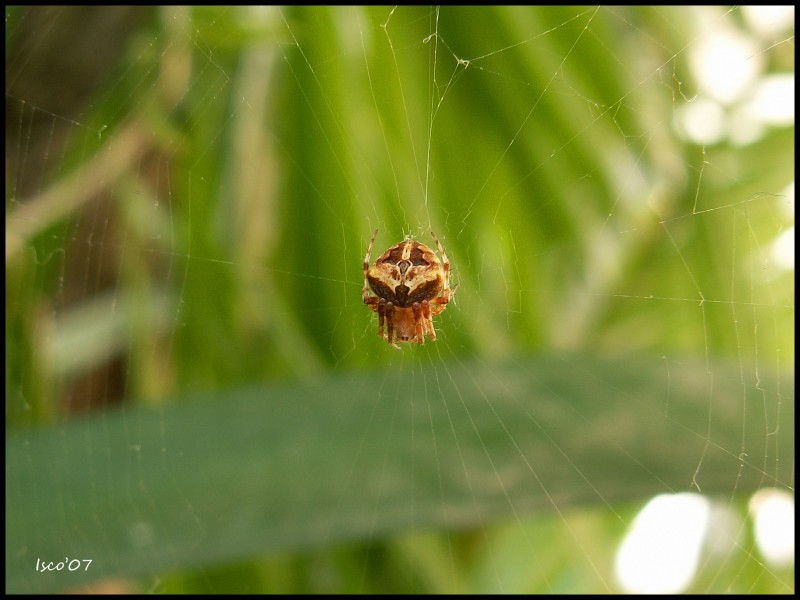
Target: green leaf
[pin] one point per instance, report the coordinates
(276, 468)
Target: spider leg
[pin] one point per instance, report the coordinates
(389, 310)
(426, 314)
(440, 302)
(381, 309)
(445, 266)
(419, 322)
(365, 291)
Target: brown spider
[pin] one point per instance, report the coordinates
(411, 287)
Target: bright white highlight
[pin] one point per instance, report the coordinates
(773, 100)
(783, 247)
(660, 553)
(769, 20)
(783, 250)
(726, 65)
(702, 121)
(773, 515)
(736, 100)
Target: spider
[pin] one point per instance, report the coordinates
(411, 287)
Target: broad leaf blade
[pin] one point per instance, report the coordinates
(146, 491)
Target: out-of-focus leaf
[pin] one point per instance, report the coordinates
(279, 468)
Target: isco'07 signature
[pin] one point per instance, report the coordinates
(64, 565)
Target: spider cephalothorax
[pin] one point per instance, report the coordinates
(411, 287)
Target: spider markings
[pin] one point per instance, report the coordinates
(411, 287)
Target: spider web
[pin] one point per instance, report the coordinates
(188, 235)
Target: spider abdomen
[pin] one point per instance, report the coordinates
(410, 287)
